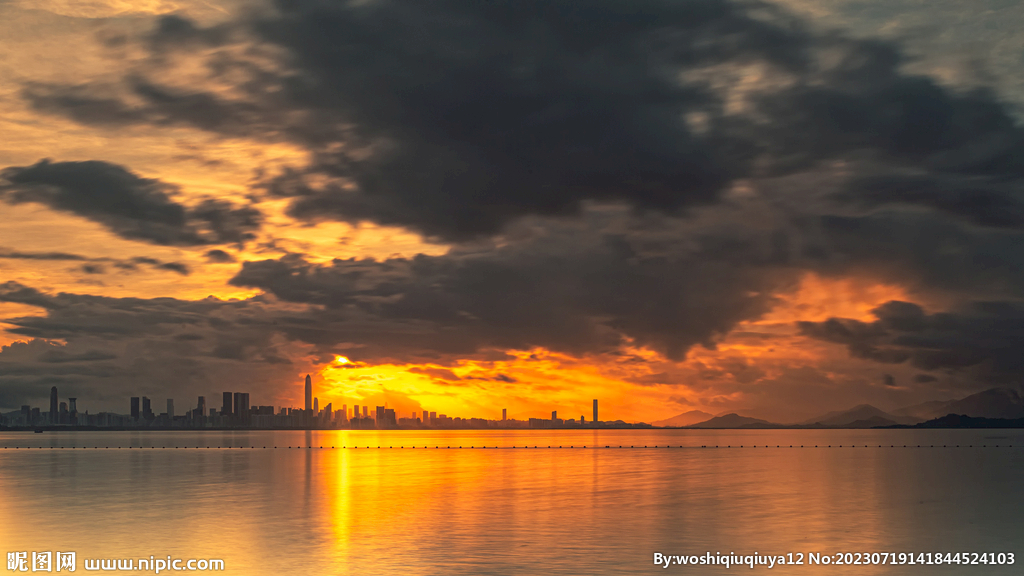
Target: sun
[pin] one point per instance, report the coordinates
(341, 360)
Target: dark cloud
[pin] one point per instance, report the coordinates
(95, 265)
(985, 337)
(457, 117)
(175, 267)
(130, 206)
(114, 348)
(56, 256)
(219, 256)
(576, 289)
(437, 373)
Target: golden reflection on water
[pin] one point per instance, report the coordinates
(511, 510)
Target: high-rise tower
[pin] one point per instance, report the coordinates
(309, 394)
(54, 414)
(595, 410)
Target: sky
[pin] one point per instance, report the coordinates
(774, 209)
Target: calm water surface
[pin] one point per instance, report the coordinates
(403, 509)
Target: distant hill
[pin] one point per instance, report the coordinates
(993, 403)
(684, 419)
(857, 414)
(962, 421)
(873, 422)
(733, 421)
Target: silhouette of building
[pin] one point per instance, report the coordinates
(225, 409)
(504, 413)
(243, 409)
(316, 405)
(309, 394)
(135, 408)
(595, 410)
(554, 414)
(170, 409)
(386, 418)
(54, 407)
(201, 407)
(147, 409)
(72, 411)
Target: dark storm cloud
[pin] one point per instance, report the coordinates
(130, 206)
(984, 336)
(575, 289)
(985, 202)
(113, 348)
(476, 113)
(456, 117)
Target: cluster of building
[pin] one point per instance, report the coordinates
(236, 412)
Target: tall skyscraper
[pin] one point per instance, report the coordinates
(226, 403)
(316, 406)
(201, 406)
(309, 394)
(595, 410)
(72, 411)
(366, 411)
(54, 413)
(243, 412)
(135, 408)
(504, 413)
(147, 408)
(236, 405)
(170, 409)
(426, 417)
(554, 414)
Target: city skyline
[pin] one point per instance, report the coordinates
(236, 412)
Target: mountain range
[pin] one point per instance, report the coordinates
(1001, 403)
